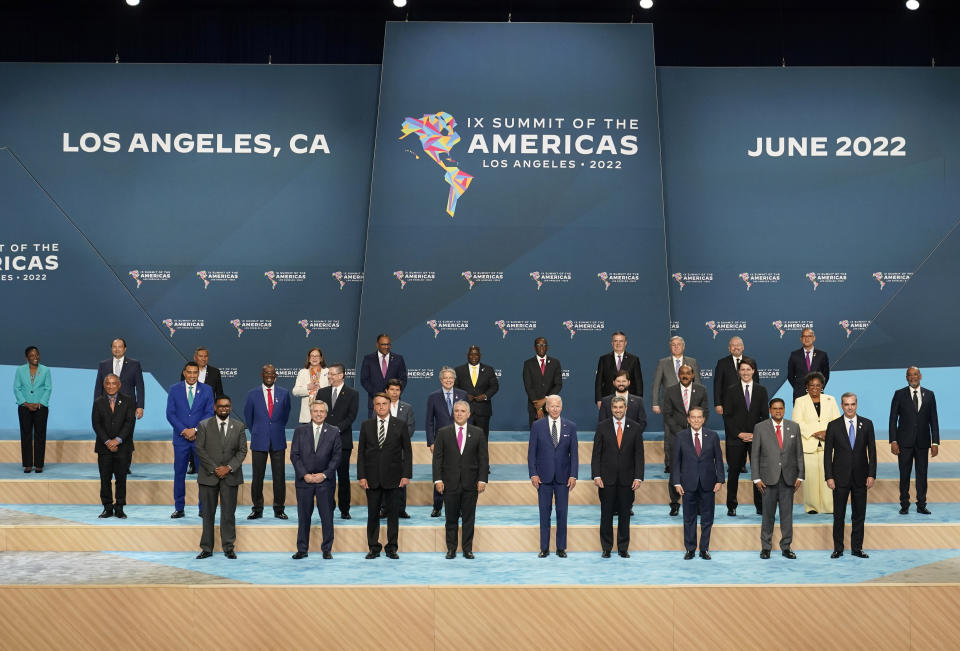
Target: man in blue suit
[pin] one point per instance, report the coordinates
(265, 412)
(380, 366)
(188, 403)
(914, 432)
(315, 455)
(440, 414)
(697, 474)
(553, 465)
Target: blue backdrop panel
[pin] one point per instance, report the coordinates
(167, 249)
(545, 237)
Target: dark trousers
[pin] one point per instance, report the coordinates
(438, 500)
(737, 454)
(228, 510)
(389, 499)
(322, 494)
(668, 448)
(278, 470)
(343, 483)
(907, 458)
(858, 502)
(547, 494)
(33, 435)
(183, 450)
(113, 465)
(483, 422)
(460, 503)
(700, 501)
(615, 499)
(780, 494)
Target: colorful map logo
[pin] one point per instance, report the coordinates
(437, 138)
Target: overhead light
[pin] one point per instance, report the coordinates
(646, 4)
(399, 3)
(133, 3)
(913, 5)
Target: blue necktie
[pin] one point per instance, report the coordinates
(190, 396)
(852, 434)
(449, 404)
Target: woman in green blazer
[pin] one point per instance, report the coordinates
(31, 386)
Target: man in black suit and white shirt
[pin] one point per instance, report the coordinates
(744, 405)
(542, 377)
(480, 382)
(342, 406)
(725, 373)
(621, 387)
(806, 360)
(677, 402)
(612, 363)
(131, 378)
(113, 419)
(914, 429)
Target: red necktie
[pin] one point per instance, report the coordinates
(619, 434)
(543, 366)
(269, 402)
(779, 437)
(696, 443)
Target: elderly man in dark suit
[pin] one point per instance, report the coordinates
(677, 402)
(914, 430)
(113, 419)
(777, 467)
(221, 449)
(343, 403)
(553, 463)
(542, 377)
(315, 456)
(440, 414)
(804, 361)
(667, 372)
(850, 467)
(612, 363)
(480, 383)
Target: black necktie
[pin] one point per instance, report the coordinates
(916, 401)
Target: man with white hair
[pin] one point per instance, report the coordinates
(668, 370)
(552, 462)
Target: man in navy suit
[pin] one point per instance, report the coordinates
(440, 414)
(342, 405)
(188, 403)
(697, 473)
(266, 411)
(380, 366)
(131, 379)
(914, 430)
(553, 465)
(315, 455)
(806, 360)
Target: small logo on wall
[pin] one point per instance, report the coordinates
(277, 277)
(818, 278)
(684, 279)
(573, 327)
(420, 374)
(182, 324)
(141, 275)
(437, 139)
(243, 325)
(768, 373)
(674, 326)
(716, 327)
(474, 277)
(311, 325)
(887, 277)
(414, 277)
(542, 277)
(762, 278)
(217, 276)
(508, 326)
(610, 278)
(229, 372)
(850, 327)
(455, 325)
(783, 327)
(344, 277)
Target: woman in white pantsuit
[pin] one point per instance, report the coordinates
(812, 412)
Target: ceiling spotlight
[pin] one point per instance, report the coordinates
(646, 4)
(399, 3)
(913, 5)
(133, 3)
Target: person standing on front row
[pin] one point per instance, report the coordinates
(553, 464)
(315, 456)
(113, 418)
(697, 475)
(777, 467)
(914, 431)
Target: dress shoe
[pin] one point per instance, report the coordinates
(562, 553)
(765, 554)
(705, 556)
(107, 512)
(191, 469)
(232, 555)
(469, 555)
(393, 555)
(38, 470)
(281, 516)
(759, 512)
(674, 509)
(836, 554)
(203, 555)
(404, 515)
(255, 515)
(27, 469)
(346, 516)
(327, 556)
(904, 510)
(543, 553)
(299, 555)
(435, 513)
(632, 513)
(920, 509)
(688, 556)
(118, 512)
(732, 513)
(624, 554)
(787, 553)
(812, 512)
(177, 514)
(199, 514)
(605, 553)
(451, 555)
(383, 514)
(859, 553)
(371, 555)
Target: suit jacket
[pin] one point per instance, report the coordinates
(460, 471)
(405, 414)
(383, 468)
(307, 459)
(109, 425)
(607, 370)
(487, 384)
(617, 466)
(371, 375)
(736, 417)
(806, 416)
(131, 379)
(212, 380)
(437, 414)
(666, 375)
(37, 391)
(179, 412)
(768, 461)
(797, 369)
(267, 432)
(342, 414)
(635, 410)
(724, 375)
(540, 385)
(674, 415)
(553, 465)
(909, 428)
(845, 465)
(691, 471)
(214, 450)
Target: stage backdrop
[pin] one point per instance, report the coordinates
(183, 205)
(516, 193)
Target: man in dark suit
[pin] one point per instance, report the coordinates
(667, 372)
(806, 360)
(677, 402)
(725, 373)
(209, 375)
(266, 411)
(697, 474)
(542, 377)
(553, 464)
(480, 383)
(113, 418)
(380, 366)
(850, 468)
(188, 403)
(461, 467)
(342, 406)
(440, 414)
(744, 405)
(914, 430)
(612, 363)
(617, 470)
(621, 387)
(777, 468)
(384, 466)
(315, 455)
(130, 374)
(221, 448)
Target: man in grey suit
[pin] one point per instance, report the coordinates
(777, 466)
(402, 411)
(221, 449)
(668, 369)
(677, 402)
